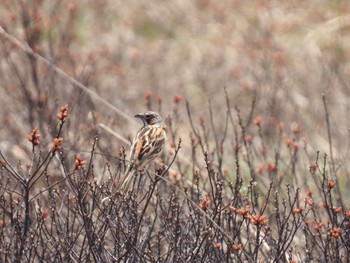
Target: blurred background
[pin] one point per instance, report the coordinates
(274, 58)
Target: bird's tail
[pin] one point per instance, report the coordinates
(125, 182)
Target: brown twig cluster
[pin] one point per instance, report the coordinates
(220, 215)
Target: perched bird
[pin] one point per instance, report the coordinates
(146, 146)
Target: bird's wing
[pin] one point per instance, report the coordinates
(148, 144)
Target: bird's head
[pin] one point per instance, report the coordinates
(149, 118)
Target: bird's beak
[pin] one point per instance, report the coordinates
(138, 115)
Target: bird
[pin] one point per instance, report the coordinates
(146, 146)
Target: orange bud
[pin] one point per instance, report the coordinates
(271, 168)
(335, 233)
(217, 246)
(258, 121)
(148, 95)
(297, 210)
(313, 167)
(310, 201)
(248, 138)
(331, 184)
(177, 99)
(288, 142)
(236, 247)
(337, 209)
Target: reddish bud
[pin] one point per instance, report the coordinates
(297, 210)
(309, 193)
(248, 138)
(177, 99)
(271, 168)
(335, 233)
(79, 163)
(295, 128)
(310, 201)
(313, 167)
(337, 209)
(63, 113)
(236, 247)
(193, 140)
(347, 214)
(218, 246)
(148, 95)
(34, 137)
(205, 203)
(288, 142)
(331, 184)
(56, 145)
(260, 169)
(45, 213)
(318, 226)
(259, 220)
(242, 211)
(174, 174)
(258, 121)
(71, 7)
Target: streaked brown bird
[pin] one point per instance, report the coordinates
(146, 146)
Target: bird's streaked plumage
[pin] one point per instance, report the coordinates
(146, 146)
